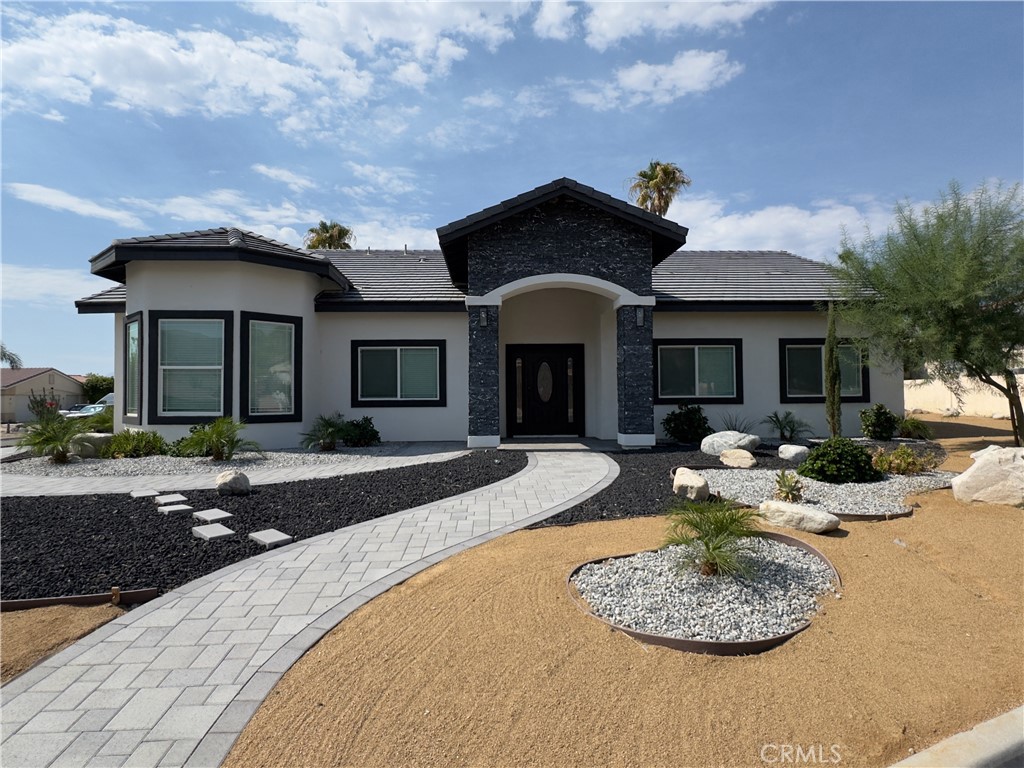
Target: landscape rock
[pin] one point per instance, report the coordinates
(999, 416)
(233, 483)
(996, 477)
(687, 483)
(951, 412)
(794, 453)
(978, 454)
(798, 516)
(737, 457)
(728, 440)
(89, 445)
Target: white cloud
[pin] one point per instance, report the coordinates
(390, 234)
(54, 116)
(554, 20)
(608, 23)
(48, 287)
(295, 182)
(384, 183)
(59, 200)
(486, 100)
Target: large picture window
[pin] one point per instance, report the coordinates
(397, 373)
(698, 371)
(190, 366)
(802, 372)
(272, 364)
(133, 369)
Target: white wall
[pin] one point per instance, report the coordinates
(979, 399)
(761, 332)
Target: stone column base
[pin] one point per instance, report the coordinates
(483, 441)
(636, 441)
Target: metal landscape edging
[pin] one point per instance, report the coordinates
(114, 597)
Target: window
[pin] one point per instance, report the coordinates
(190, 366)
(133, 369)
(698, 371)
(398, 373)
(802, 372)
(271, 348)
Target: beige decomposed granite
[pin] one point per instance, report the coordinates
(28, 636)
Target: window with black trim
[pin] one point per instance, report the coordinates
(133, 369)
(398, 373)
(190, 371)
(802, 372)
(698, 371)
(271, 382)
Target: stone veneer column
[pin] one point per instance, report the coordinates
(634, 371)
(484, 398)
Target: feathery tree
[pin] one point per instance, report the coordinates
(945, 288)
(833, 383)
(7, 356)
(329, 235)
(654, 187)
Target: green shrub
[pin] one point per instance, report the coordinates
(878, 422)
(903, 461)
(52, 436)
(717, 531)
(134, 444)
(687, 424)
(101, 422)
(360, 433)
(44, 407)
(915, 429)
(737, 423)
(839, 460)
(220, 440)
(326, 432)
(787, 425)
(788, 487)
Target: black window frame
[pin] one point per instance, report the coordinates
(152, 389)
(736, 344)
(442, 377)
(785, 397)
(245, 319)
(134, 317)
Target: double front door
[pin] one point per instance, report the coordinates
(544, 389)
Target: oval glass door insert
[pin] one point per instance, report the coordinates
(545, 382)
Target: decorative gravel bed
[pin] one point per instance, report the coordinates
(648, 593)
(65, 545)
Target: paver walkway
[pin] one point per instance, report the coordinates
(174, 682)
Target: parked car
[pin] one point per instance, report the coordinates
(87, 411)
(73, 409)
(107, 399)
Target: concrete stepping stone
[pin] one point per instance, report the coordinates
(212, 532)
(174, 508)
(211, 515)
(145, 493)
(270, 538)
(169, 498)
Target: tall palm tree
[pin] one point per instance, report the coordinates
(11, 358)
(654, 187)
(329, 235)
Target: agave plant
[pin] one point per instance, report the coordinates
(788, 486)
(326, 432)
(53, 437)
(718, 531)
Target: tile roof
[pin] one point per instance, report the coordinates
(110, 300)
(391, 276)
(11, 376)
(220, 237)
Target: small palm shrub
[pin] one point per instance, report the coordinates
(718, 532)
(360, 433)
(52, 436)
(787, 424)
(903, 461)
(737, 423)
(101, 422)
(878, 422)
(788, 487)
(326, 432)
(687, 424)
(134, 444)
(220, 440)
(915, 429)
(839, 460)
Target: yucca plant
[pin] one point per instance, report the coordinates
(220, 440)
(718, 532)
(53, 436)
(787, 424)
(326, 432)
(737, 423)
(788, 486)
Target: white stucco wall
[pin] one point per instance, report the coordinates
(761, 332)
(978, 399)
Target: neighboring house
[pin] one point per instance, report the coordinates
(19, 383)
(562, 311)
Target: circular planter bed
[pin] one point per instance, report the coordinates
(718, 647)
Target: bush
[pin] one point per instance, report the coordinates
(134, 444)
(717, 530)
(360, 433)
(101, 422)
(326, 432)
(915, 429)
(52, 436)
(787, 425)
(219, 440)
(878, 422)
(737, 423)
(687, 424)
(839, 460)
(44, 407)
(903, 461)
(96, 386)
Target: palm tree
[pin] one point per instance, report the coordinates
(11, 358)
(654, 187)
(329, 235)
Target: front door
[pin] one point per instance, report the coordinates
(544, 389)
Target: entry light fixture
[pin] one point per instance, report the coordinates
(483, 317)
(639, 317)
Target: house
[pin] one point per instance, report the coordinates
(18, 384)
(562, 311)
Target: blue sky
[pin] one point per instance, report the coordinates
(794, 120)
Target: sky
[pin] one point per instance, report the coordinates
(795, 121)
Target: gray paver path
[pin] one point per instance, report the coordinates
(174, 682)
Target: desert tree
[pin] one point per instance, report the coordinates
(12, 359)
(655, 187)
(329, 235)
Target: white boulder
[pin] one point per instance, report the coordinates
(233, 483)
(686, 482)
(728, 440)
(737, 457)
(794, 453)
(978, 454)
(90, 445)
(798, 516)
(996, 477)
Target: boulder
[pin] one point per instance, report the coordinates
(798, 516)
(726, 441)
(686, 482)
(978, 454)
(794, 453)
(996, 477)
(737, 457)
(999, 416)
(950, 413)
(89, 445)
(233, 483)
